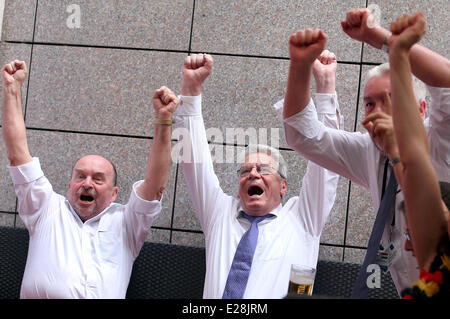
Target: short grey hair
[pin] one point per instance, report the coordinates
(282, 168)
(419, 88)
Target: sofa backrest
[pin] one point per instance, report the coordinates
(13, 256)
(166, 271)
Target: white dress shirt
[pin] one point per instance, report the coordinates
(71, 259)
(292, 237)
(354, 156)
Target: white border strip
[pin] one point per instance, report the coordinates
(2, 8)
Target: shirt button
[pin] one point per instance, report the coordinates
(91, 285)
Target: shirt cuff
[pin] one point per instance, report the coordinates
(142, 206)
(26, 173)
(279, 106)
(305, 122)
(189, 106)
(327, 103)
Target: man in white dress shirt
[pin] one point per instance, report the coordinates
(82, 246)
(290, 236)
(364, 158)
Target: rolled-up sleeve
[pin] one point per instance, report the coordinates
(140, 215)
(26, 173)
(314, 135)
(33, 191)
(142, 206)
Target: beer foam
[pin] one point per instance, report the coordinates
(300, 278)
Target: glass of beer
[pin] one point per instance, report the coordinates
(301, 280)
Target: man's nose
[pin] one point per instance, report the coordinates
(254, 173)
(379, 107)
(87, 183)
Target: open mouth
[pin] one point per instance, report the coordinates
(86, 198)
(255, 190)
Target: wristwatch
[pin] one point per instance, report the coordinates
(385, 45)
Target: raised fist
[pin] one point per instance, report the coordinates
(306, 45)
(406, 31)
(324, 71)
(165, 103)
(361, 25)
(14, 74)
(196, 69)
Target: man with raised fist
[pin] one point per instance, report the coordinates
(430, 67)
(251, 239)
(427, 214)
(82, 246)
(368, 159)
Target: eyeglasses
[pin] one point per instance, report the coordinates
(262, 169)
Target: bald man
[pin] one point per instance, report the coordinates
(82, 245)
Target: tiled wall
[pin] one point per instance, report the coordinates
(89, 89)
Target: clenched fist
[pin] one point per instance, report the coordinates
(14, 74)
(165, 103)
(406, 31)
(306, 45)
(360, 25)
(196, 69)
(324, 71)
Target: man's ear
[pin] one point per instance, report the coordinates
(283, 187)
(115, 192)
(423, 108)
(69, 184)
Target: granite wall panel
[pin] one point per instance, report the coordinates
(89, 89)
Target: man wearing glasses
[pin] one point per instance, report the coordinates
(252, 240)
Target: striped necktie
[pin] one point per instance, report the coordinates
(361, 290)
(242, 262)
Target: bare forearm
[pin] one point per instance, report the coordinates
(409, 130)
(418, 178)
(377, 37)
(425, 210)
(158, 165)
(325, 84)
(430, 67)
(415, 172)
(13, 127)
(191, 89)
(298, 92)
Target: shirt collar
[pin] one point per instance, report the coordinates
(72, 210)
(276, 211)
